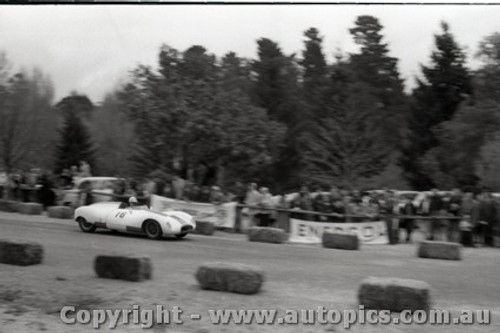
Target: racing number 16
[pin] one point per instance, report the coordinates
(121, 214)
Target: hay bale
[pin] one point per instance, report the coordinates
(14, 252)
(204, 228)
(30, 208)
(340, 241)
(130, 268)
(60, 212)
(230, 277)
(267, 235)
(8, 206)
(440, 250)
(394, 294)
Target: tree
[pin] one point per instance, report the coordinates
(185, 114)
(113, 135)
(451, 163)
(486, 166)
(487, 77)
(446, 82)
(236, 73)
(75, 143)
(345, 149)
(315, 75)
(378, 71)
(277, 91)
(27, 121)
(79, 105)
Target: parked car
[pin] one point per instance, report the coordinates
(101, 188)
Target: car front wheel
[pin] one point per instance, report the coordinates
(152, 229)
(86, 226)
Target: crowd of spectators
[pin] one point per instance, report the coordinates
(475, 216)
(470, 218)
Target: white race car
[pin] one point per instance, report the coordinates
(119, 216)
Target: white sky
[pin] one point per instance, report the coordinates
(90, 48)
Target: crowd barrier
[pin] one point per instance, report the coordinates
(380, 229)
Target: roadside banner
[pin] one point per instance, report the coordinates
(311, 232)
(222, 215)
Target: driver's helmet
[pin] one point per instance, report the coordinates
(132, 201)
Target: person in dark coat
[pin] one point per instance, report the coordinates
(487, 219)
(435, 209)
(408, 224)
(46, 196)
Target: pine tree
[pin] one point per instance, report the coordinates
(378, 71)
(445, 84)
(487, 77)
(315, 75)
(75, 143)
(276, 90)
(345, 148)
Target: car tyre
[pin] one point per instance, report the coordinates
(85, 226)
(152, 229)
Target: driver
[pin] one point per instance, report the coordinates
(134, 203)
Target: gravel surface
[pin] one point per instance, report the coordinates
(296, 277)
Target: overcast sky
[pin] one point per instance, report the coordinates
(91, 48)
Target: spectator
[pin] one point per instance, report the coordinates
(239, 192)
(204, 194)
(266, 202)
(356, 196)
(216, 195)
(159, 186)
(338, 208)
(435, 209)
(367, 209)
(149, 186)
(466, 231)
(168, 191)
(46, 195)
(75, 174)
(195, 193)
(388, 207)
(302, 202)
(66, 179)
(253, 198)
(487, 219)
(86, 197)
(336, 204)
(455, 202)
(408, 224)
(130, 188)
(85, 169)
(322, 204)
(178, 185)
(453, 209)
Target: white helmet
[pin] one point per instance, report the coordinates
(133, 200)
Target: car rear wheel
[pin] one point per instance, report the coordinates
(86, 226)
(181, 235)
(152, 229)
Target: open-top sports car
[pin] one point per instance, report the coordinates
(119, 216)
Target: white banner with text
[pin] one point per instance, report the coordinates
(221, 215)
(311, 232)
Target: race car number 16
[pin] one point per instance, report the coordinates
(121, 214)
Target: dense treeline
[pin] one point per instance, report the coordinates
(284, 119)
